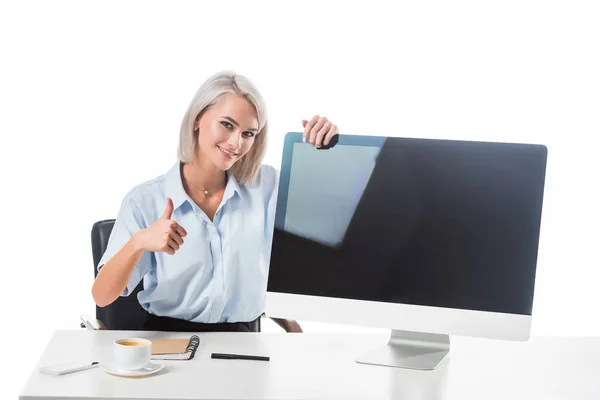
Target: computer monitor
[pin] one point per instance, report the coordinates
(426, 237)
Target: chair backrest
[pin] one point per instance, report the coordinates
(125, 313)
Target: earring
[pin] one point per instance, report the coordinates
(196, 130)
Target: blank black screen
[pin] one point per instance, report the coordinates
(415, 221)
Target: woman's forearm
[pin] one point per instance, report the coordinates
(114, 275)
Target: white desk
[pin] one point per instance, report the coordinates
(322, 366)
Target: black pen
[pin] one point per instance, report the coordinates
(223, 356)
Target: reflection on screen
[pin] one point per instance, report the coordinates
(326, 187)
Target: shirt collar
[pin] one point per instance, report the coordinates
(174, 187)
(232, 187)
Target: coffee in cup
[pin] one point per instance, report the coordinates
(130, 342)
(132, 353)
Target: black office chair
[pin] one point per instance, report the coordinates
(125, 313)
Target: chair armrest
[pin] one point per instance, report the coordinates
(91, 323)
(288, 325)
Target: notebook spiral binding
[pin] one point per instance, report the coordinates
(193, 345)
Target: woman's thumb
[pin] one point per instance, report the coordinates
(169, 210)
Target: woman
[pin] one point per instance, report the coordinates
(200, 235)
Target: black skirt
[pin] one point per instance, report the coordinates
(156, 323)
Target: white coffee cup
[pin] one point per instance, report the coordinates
(132, 353)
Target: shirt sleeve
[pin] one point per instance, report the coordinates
(128, 221)
(273, 182)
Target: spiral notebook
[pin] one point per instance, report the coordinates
(174, 349)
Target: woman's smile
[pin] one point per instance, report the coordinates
(227, 153)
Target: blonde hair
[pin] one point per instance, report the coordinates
(245, 169)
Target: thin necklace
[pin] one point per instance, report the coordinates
(205, 191)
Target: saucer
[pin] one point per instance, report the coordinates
(149, 369)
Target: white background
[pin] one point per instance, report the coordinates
(92, 95)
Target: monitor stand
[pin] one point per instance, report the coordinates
(414, 350)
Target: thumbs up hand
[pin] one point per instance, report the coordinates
(164, 235)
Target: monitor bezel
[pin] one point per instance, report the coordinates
(407, 317)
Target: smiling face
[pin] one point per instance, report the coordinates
(227, 131)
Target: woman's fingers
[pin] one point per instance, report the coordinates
(173, 244)
(331, 133)
(315, 130)
(308, 128)
(322, 132)
(179, 229)
(175, 236)
(168, 249)
(319, 131)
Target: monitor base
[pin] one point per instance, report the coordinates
(413, 350)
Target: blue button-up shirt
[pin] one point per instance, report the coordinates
(220, 272)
